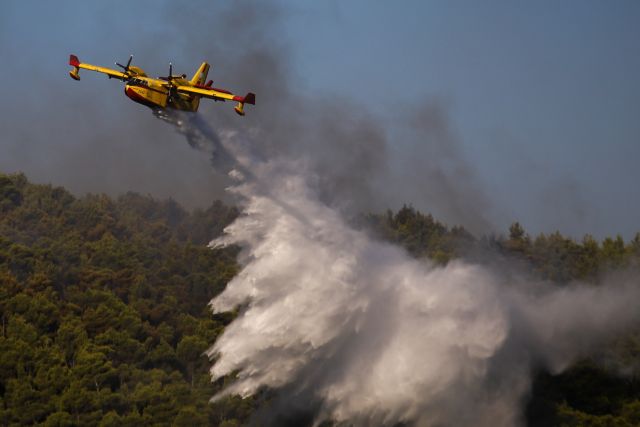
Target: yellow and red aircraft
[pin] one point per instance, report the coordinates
(165, 92)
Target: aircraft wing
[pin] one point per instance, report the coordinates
(76, 64)
(220, 95)
(209, 93)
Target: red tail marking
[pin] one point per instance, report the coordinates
(208, 86)
(250, 98)
(74, 61)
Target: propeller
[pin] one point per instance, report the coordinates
(125, 67)
(170, 79)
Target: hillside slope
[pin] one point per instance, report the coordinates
(104, 316)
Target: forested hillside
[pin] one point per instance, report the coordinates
(104, 317)
(552, 257)
(103, 306)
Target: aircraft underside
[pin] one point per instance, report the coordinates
(154, 98)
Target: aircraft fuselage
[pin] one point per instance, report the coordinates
(147, 92)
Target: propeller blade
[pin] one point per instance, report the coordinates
(170, 71)
(125, 67)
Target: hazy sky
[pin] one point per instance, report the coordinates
(542, 97)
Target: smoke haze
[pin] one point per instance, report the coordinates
(89, 142)
(88, 137)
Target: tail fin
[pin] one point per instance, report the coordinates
(201, 75)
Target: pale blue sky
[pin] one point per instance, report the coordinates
(543, 96)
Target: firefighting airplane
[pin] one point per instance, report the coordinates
(165, 92)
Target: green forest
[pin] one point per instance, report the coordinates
(104, 316)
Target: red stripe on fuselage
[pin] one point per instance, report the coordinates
(208, 87)
(136, 97)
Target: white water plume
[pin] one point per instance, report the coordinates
(375, 337)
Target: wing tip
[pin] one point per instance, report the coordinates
(74, 61)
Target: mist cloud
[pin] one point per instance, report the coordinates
(364, 334)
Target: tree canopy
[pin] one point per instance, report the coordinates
(104, 316)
